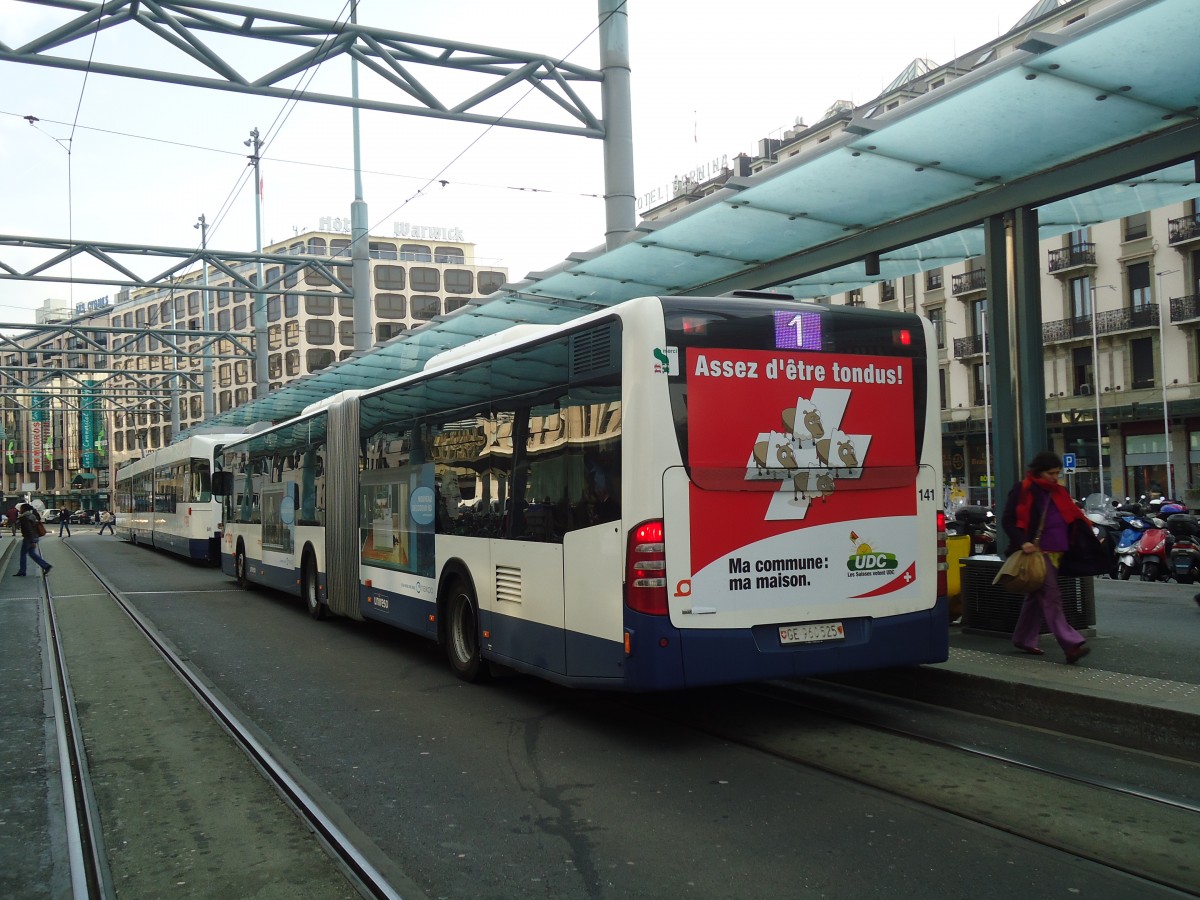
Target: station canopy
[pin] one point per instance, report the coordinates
(1089, 124)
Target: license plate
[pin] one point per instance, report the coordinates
(812, 633)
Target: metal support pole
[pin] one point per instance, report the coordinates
(1030, 382)
(1000, 278)
(1163, 315)
(359, 237)
(175, 360)
(1096, 391)
(206, 307)
(619, 199)
(259, 310)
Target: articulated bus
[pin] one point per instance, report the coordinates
(164, 499)
(676, 491)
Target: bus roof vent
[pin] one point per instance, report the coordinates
(593, 352)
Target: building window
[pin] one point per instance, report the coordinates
(1083, 382)
(346, 333)
(318, 304)
(425, 307)
(1136, 226)
(193, 303)
(291, 361)
(1139, 285)
(346, 306)
(938, 317)
(381, 250)
(195, 402)
(291, 306)
(316, 246)
(318, 359)
(225, 401)
(459, 281)
(318, 332)
(385, 331)
(887, 292)
(339, 247)
(275, 337)
(449, 255)
(291, 333)
(490, 282)
(275, 365)
(273, 310)
(239, 317)
(389, 278)
(225, 375)
(1141, 359)
(291, 278)
(453, 303)
(942, 388)
(425, 279)
(241, 397)
(390, 306)
(933, 280)
(415, 253)
(223, 298)
(241, 371)
(1081, 297)
(152, 314)
(979, 383)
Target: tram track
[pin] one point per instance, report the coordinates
(1143, 833)
(89, 869)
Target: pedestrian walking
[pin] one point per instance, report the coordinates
(31, 531)
(1041, 517)
(106, 521)
(64, 523)
(13, 514)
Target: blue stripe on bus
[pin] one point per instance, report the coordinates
(664, 658)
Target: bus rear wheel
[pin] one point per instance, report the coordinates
(239, 568)
(462, 634)
(312, 593)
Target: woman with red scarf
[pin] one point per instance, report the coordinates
(1040, 502)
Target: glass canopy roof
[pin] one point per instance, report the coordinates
(1088, 124)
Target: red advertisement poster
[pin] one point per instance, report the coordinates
(814, 443)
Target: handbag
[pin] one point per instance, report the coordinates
(1023, 573)
(41, 529)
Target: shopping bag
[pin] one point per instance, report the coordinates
(1022, 573)
(41, 529)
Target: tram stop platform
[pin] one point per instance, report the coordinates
(1139, 688)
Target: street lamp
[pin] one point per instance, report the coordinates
(1162, 354)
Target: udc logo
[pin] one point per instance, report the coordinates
(868, 561)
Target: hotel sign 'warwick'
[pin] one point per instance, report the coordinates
(399, 229)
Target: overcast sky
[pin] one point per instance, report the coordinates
(122, 160)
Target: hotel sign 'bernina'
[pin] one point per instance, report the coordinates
(399, 229)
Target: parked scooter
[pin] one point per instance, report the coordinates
(1132, 529)
(1101, 511)
(1184, 560)
(979, 523)
(1154, 552)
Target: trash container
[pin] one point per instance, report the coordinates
(987, 608)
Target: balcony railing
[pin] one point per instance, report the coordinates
(975, 280)
(972, 345)
(1185, 308)
(1072, 257)
(1185, 229)
(1111, 321)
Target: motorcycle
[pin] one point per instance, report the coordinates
(1100, 510)
(1184, 560)
(1154, 552)
(979, 523)
(1126, 552)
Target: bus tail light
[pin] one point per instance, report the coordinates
(942, 586)
(646, 569)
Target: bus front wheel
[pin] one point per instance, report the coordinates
(312, 593)
(462, 634)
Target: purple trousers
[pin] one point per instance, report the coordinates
(1045, 603)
